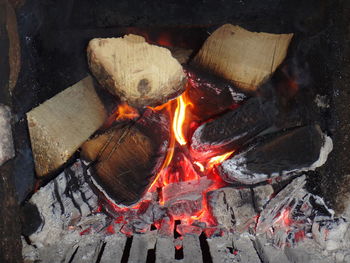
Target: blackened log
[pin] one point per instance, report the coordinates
(211, 95)
(287, 153)
(128, 157)
(234, 128)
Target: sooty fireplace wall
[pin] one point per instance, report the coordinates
(43, 45)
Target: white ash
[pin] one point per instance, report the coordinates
(262, 195)
(331, 234)
(237, 166)
(63, 204)
(232, 208)
(327, 147)
(236, 96)
(188, 190)
(61, 233)
(294, 214)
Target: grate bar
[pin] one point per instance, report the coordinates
(113, 251)
(245, 250)
(192, 249)
(140, 245)
(165, 250)
(88, 251)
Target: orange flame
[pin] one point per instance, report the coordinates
(125, 111)
(218, 159)
(179, 119)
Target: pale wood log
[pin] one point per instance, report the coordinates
(60, 125)
(139, 73)
(243, 57)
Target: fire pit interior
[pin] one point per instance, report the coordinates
(174, 132)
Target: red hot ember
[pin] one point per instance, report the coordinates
(188, 176)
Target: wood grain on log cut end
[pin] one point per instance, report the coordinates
(128, 156)
(137, 72)
(60, 125)
(125, 161)
(243, 57)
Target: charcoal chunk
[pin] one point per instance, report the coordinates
(290, 152)
(211, 95)
(234, 128)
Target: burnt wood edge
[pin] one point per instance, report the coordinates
(10, 225)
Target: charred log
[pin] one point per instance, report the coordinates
(128, 157)
(290, 152)
(211, 95)
(234, 128)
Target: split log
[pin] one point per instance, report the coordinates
(139, 73)
(60, 125)
(243, 57)
(211, 95)
(287, 153)
(231, 130)
(128, 157)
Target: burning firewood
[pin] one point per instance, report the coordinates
(60, 125)
(243, 57)
(128, 157)
(301, 149)
(211, 95)
(139, 73)
(233, 129)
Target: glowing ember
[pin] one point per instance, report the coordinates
(284, 218)
(182, 181)
(125, 112)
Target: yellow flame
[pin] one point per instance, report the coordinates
(179, 119)
(200, 166)
(218, 159)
